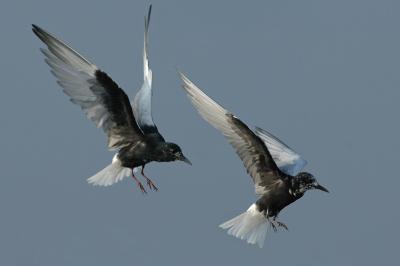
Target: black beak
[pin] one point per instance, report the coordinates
(318, 186)
(184, 159)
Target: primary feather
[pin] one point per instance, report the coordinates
(93, 90)
(142, 102)
(251, 150)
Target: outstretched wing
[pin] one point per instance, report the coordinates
(251, 150)
(93, 90)
(142, 101)
(286, 158)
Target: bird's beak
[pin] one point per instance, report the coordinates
(184, 159)
(318, 186)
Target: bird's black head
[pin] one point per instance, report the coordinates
(172, 152)
(305, 181)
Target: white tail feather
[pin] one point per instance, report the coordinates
(111, 174)
(251, 226)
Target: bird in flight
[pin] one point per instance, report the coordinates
(273, 166)
(130, 129)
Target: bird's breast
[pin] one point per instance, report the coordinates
(274, 201)
(134, 155)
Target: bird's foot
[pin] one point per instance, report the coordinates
(276, 224)
(280, 224)
(139, 184)
(142, 188)
(151, 184)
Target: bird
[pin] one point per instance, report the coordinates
(130, 128)
(273, 166)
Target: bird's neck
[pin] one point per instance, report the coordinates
(296, 189)
(161, 154)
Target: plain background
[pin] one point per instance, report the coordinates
(321, 75)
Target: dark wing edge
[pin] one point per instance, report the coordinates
(93, 90)
(251, 150)
(256, 157)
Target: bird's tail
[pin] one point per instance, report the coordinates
(111, 174)
(251, 226)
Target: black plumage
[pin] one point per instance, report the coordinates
(276, 188)
(107, 105)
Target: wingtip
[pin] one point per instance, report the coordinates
(179, 71)
(183, 77)
(39, 32)
(42, 34)
(35, 28)
(147, 18)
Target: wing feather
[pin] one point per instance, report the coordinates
(285, 157)
(142, 102)
(92, 89)
(251, 150)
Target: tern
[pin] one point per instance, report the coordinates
(130, 129)
(273, 166)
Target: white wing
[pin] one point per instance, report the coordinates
(142, 102)
(287, 159)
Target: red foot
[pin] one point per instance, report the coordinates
(142, 188)
(139, 184)
(149, 182)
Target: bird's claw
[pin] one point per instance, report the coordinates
(275, 224)
(139, 184)
(151, 185)
(274, 227)
(142, 188)
(149, 182)
(280, 224)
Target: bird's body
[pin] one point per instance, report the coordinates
(152, 149)
(277, 198)
(130, 128)
(273, 166)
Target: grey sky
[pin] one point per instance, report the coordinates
(321, 75)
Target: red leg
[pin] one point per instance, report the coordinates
(149, 182)
(138, 183)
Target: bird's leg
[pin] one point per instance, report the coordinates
(139, 184)
(271, 221)
(149, 182)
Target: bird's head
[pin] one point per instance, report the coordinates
(174, 153)
(306, 181)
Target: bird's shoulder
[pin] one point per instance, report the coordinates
(267, 181)
(136, 147)
(154, 138)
